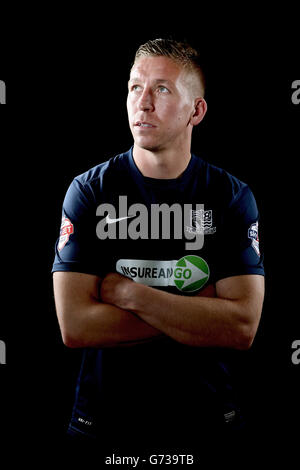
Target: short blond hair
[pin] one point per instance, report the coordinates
(181, 52)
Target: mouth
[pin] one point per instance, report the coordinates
(144, 125)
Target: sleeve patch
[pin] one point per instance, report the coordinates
(66, 229)
(253, 235)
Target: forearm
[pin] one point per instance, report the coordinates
(228, 320)
(102, 325)
(86, 321)
(109, 326)
(197, 321)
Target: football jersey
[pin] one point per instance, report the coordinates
(178, 235)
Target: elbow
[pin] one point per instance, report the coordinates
(245, 336)
(71, 332)
(76, 332)
(247, 327)
(71, 340)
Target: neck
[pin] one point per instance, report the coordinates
(161, 164)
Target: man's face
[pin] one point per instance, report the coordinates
(159, 104)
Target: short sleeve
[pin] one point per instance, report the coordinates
(239, 250)
(74, 248)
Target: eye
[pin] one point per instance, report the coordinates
(163, 89)
(136, 88)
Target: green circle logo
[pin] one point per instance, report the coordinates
(191, 273)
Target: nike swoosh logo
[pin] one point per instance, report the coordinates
(113, 221)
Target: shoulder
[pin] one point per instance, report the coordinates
(85, 189)
(113, 165)
(220, 183)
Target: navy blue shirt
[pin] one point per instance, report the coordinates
(115, 219)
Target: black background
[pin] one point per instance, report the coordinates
(66, 75)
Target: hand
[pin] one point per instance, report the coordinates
(116, 289)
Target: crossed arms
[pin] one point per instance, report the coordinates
(116, 311)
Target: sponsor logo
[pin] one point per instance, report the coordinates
(159, 222)
(191, 273)
(2, 92)
(188, 274)
(113, 221)
(66, 229)
(253, 235)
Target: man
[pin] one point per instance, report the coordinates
(158, 274)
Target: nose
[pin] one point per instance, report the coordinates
(146, 101)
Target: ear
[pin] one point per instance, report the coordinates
(200, 108)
